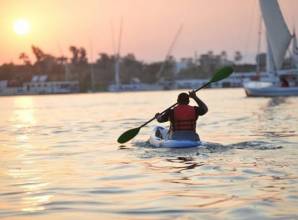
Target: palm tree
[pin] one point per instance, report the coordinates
(25, 58)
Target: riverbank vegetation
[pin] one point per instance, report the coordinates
(99, 74)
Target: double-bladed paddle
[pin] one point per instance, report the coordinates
(219, 75)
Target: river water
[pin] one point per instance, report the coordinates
(60, 158)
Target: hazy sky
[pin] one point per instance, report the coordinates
(148, 26)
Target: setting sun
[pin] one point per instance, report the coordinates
(21, 27)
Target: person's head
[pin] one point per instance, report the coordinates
(183, 99)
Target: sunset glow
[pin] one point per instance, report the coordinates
(148, 27)
(21, 27)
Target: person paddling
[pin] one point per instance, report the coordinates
(183, 117)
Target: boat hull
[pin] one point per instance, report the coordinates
(264, 89)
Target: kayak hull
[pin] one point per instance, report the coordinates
(158, 138)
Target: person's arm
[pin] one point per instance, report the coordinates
(202, 107)
(163, 117)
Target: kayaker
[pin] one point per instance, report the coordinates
(183, 117)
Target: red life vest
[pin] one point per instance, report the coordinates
(184, 118)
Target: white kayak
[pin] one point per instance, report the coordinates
(158, 138)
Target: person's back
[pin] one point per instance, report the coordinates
(183, 117)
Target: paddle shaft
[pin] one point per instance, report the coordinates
(203, 86)
(219, 75)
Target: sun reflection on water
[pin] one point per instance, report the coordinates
(60, 161)
(26, 172)
(23, 114)
(30, 181)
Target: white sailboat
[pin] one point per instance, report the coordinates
(278, 41)
(295, 50)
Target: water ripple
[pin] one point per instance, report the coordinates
(60, 159)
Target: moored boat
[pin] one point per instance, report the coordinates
(278, 41)
(268, 89)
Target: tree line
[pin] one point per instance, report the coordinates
(99, 74)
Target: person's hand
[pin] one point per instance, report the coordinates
(192, 94)
(157, 115)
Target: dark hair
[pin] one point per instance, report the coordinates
(183, 98)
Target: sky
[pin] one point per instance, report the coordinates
(148, 27)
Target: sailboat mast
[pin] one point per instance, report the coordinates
(92, 66)
(117, 63)
(258, 68)
(170, 50)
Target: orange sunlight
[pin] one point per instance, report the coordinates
(148, 26)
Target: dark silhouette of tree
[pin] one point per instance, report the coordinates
(61, 60)
(7, 71)
(224, 56)
(209, 62)
(237, 56)
(83, 56)
(169, 69)
(103, 70)
(105, 67)
(80, 67)
(75, 54)
(25, 58)
(104, 60)
(47, 64)
(38, 53)
(79, 55)
(44, 62)
(150, 72)
(131, 69)
(192, 72)
(261, 61)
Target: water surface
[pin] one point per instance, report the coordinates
(60, 159)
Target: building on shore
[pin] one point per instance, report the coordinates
(39, 85)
